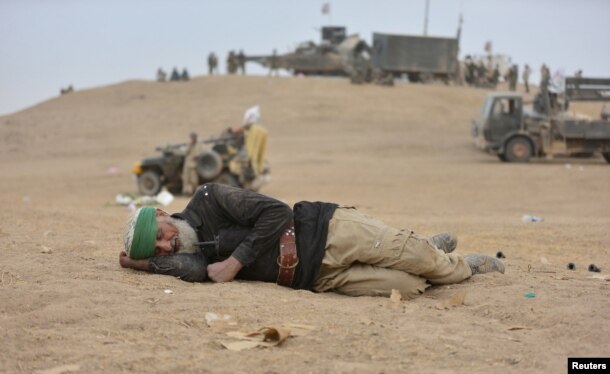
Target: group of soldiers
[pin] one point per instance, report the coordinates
(235, 62)
(174, 77)
(479, 74)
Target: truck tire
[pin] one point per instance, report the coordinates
(518, 149)
(209, 165)
(606, 156)
(149, 183)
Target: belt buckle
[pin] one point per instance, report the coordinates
(279, 263)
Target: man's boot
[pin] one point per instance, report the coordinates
(480, 264)
(445, 241)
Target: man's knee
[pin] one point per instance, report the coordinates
(368, 280)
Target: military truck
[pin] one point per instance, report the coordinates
(223, 161)
(421, 58)
(334, 56)
(515, 133)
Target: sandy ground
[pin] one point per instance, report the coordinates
(403, 154)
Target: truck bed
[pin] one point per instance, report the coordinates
(583, 129)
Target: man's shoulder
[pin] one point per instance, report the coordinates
(210, 190)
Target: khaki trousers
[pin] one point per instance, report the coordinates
(366, 257)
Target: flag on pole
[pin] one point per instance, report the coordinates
(488, 47)
(326, 8)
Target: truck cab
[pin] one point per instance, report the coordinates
(500, 120)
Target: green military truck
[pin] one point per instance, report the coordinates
(516, 133)
(421, 58)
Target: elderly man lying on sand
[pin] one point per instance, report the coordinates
(227, 233)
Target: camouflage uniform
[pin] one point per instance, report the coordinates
(526, 77)
(175, 75)
(232, 63)
(273, 64)
(512, 78)
(241, 61)
(212, 63)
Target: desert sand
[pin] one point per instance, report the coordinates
(403, 154)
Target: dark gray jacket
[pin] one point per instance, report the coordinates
(247, 226)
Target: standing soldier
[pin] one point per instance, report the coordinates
(241, 60)
(526, 77)
(175, 75)
(185, 75)
(212, 63)
(190, 179)
(545, 81)
(470, 71)
(231, 63)
(273, 64)
(513, 73)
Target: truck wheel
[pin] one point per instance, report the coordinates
(606, 156)
(518, 149)
(209, 165)
(149, 183)
(228, 179)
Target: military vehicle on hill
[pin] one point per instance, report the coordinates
(516, 134)
(224, 161)
(334, 56)
(421, 58)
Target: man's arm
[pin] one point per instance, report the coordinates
(224, 271)
(186, 266)
(265, 216)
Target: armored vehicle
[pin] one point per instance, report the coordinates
(334, 56)
(224, 161)
(421, 58)
(516, 134)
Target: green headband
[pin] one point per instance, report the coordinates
(144, 234)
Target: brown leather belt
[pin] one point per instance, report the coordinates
(287, 260)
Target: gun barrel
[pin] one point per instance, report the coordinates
(263, 60)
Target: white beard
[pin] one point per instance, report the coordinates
(187, 235)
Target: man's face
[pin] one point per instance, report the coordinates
(174, 235)
(168, 241)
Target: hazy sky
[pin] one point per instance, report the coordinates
(48, 44)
